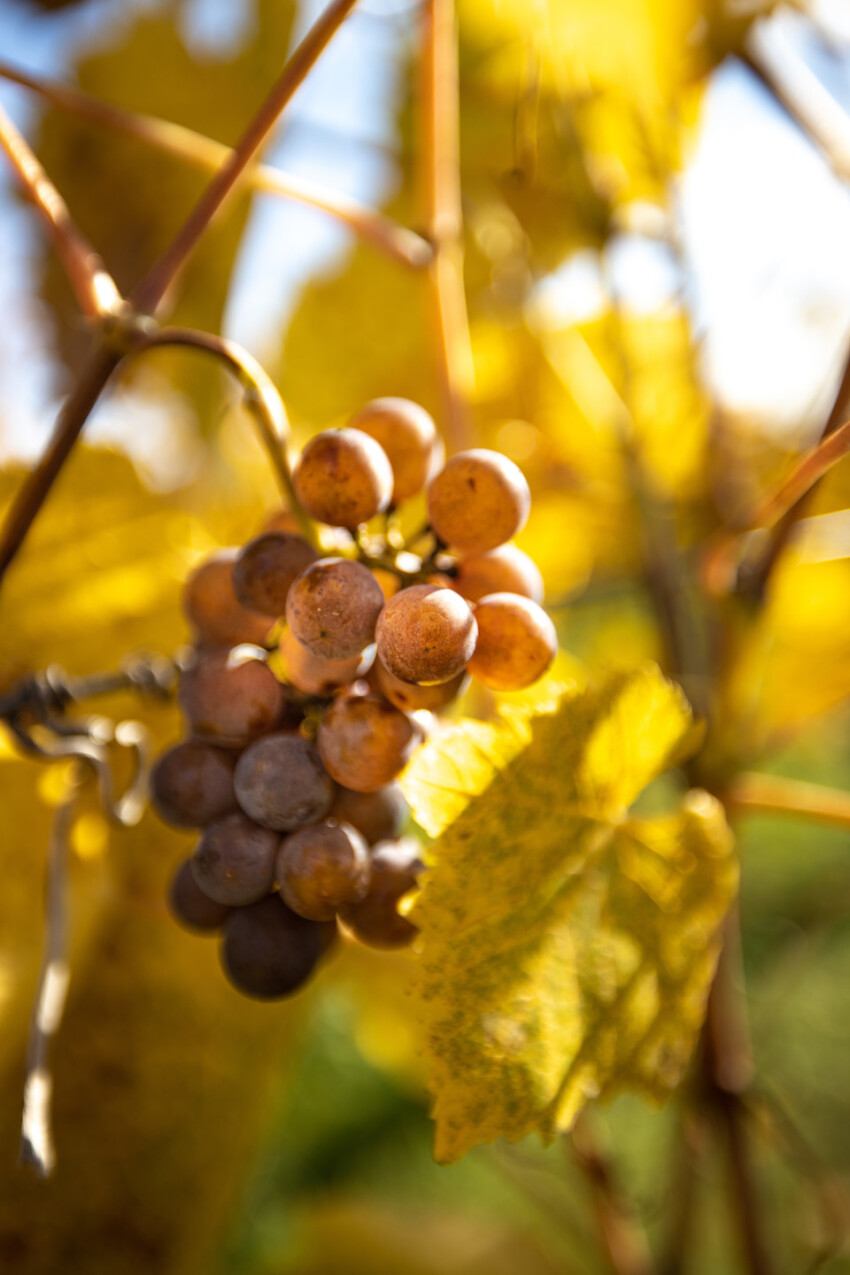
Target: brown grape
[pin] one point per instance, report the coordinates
(503, 570)
(378, 816)
(314, 676)
(230, 699)
(478, 501)
(213, 609)
(281, 783)
(266, 567)
(333, 607)
(516, 642)
(191, 785)
(365, 742)
(412, 697)
(190, 906)
(426, 634)
(322, 869)
(409, 437)
(234, 861)
(376, 919)
(343, 478)
(268, 951)
(282, 520)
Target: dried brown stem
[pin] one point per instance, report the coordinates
(151, 291)
(398, 242)
(440, 166)
(37, 1148)
(622, 1236)
(93, 286)
(772, 794)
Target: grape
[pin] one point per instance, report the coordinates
(190, 906)
(478, 501)
(266, 567)
(503, 570)
(281, 783)
(516, 642)
(365, 742)
(409, 437)
(333, 607)
(378, 816)
(376, 920)
(388, 581)
(426, 634)
(314, 676)
(268, 951)
(214, 611)
(282, 520)
(343, 478)
(322, 869)
(234, 861)
(410, 696)
(231, 699)
(191, 785)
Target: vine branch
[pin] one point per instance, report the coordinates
(622, 1236)
(149, 294)
(94, 288)
(772, 794)
(440, 167)
(398, 242)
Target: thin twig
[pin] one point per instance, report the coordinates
(37, 1147)
(261, 399)
(151, 291)
(398, 242)
(440, 163)
(772, 794)
(728, 1070)
(622, 1235)
(73, 415)
(95, 289)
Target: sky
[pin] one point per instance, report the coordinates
(762, 221)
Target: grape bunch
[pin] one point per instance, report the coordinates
(313, 680)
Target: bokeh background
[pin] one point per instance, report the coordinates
(655, 248)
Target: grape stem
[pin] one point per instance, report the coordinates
(399, 243)
(260, 397)
(151, 292)
(95, 289)
(443, 216)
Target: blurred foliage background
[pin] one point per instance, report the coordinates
(655, 277)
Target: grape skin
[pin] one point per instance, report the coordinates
(333, 608)
(191, 785)
(503, 570)
(426, 634)
(267, 950)
(281, 783)
(189, 905)
(229, 699)
(376, 920)
(343, 478)
(365, 742)
(266, 568)
(213, 610)
(314, 676)
(414, 698)
(377, 816)
(516, 642)
(409, 437)
(234, 861)
(478, 500)
(322, 869)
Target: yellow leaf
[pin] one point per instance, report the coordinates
(566, 950)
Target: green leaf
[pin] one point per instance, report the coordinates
(566, 949)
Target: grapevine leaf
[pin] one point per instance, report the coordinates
(566, 948)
